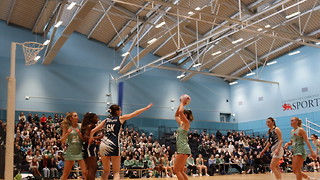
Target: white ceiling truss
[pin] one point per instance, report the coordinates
(224, 38)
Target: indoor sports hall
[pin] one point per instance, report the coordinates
(160, 89)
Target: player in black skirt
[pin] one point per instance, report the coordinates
(109, 147)
(90, 151)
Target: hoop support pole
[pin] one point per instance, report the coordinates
(11, 100)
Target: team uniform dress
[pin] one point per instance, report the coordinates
(317, 145)
(298, 144)
(274, 141)
(110, 142)
(74, 150)
(182, 142)
(200, 161)
(90, 150)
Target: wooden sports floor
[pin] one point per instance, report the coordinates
(267, 176)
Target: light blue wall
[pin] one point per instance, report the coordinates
(80, 72)
(293, 73)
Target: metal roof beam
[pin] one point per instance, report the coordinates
(70, 28)
(214, 74)
(11, 11)
(234, 50)
(164, 43)
(223, 24)
(270, 53)
(123, 29)
(40, 15)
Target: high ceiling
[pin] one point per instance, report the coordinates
(224, 38)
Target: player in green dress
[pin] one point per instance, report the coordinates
(298, 138)
(72, 136)
(316, 142)
(183, 118)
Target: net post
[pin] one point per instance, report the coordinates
(11, 99)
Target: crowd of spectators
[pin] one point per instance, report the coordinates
(38, 150)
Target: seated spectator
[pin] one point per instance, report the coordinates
(60, 166)
(166, 165)
(310, 164)
(201, 166)
(172, 164)
(258, 165)
(22, 118)
(29, 156)
(44, 167)
(52, 165)
(34, 168)
(30, 118)
(236, 163)
(158, 166)
(191, 165)
(221, 162)
(211, 164)
(43, 120)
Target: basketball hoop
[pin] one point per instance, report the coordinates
(30, 51)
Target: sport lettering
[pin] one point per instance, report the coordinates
(110, 127)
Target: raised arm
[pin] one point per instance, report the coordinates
(181, 114)
(177, 116)
(97, 128)
(134, 114)
(303, 133)
(94, 130)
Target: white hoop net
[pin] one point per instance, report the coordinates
(30, 51)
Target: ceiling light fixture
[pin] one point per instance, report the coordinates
(58, 24)
(293, 14)
(191, 13)
(116, 68)
(46, 42)
(233, 83)
(152, 41)
(318, 43)
(125, 54)
(260, 29)
(272, 62)
(161, 24)
(216, 53)
(236, 41)
(196, 65)
(267, 26)
(294, 53)
(250, 74)
(71, 5)
(181, 76)
(197, 9)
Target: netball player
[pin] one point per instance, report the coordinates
(109, 147)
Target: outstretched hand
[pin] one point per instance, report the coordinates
(149, 106)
